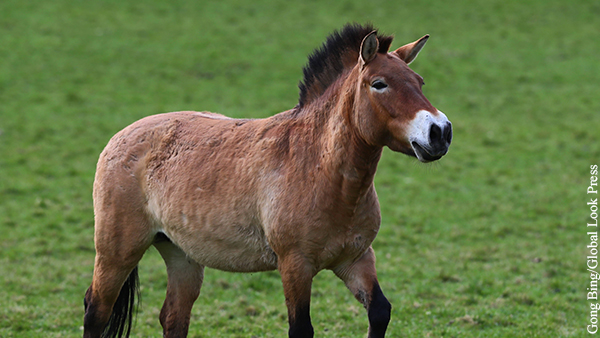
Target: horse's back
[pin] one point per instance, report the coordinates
(143, 149)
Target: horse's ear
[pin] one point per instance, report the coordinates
(409, 52)
(369, 47)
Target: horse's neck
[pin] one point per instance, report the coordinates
(348, 162)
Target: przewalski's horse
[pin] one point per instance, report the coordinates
(292, 192)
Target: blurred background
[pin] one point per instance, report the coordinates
(488, 242)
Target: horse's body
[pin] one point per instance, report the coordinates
(292, 192)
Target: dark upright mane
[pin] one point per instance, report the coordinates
(338, 53)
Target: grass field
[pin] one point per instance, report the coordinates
(488, 242)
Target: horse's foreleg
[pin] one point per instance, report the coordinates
(360, 277)
(184, 282)
(297, 276)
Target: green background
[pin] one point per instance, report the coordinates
(488, 242)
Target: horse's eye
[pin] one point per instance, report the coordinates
(379, 85)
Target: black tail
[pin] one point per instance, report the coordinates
(121, 318)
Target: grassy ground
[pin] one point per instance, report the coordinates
(489, 242)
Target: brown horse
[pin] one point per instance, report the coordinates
(292, 192)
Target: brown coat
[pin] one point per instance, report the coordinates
(292, 192)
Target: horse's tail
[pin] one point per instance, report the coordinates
(121, 319)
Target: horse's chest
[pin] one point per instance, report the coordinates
(349, 244)
(337, 233)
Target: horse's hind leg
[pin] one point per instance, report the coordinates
(122, 235)
(360, 277)
(109, 301)
(184, 282)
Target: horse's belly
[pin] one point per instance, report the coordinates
(226, 247)
(233, 256)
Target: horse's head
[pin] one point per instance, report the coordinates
(391, 108)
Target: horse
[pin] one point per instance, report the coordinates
(292, 192)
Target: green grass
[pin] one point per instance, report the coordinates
(489, 242)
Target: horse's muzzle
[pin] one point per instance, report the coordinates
(430, 135)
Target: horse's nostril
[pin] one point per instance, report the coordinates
(448, 133)
(435, 134)
(440, 136)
